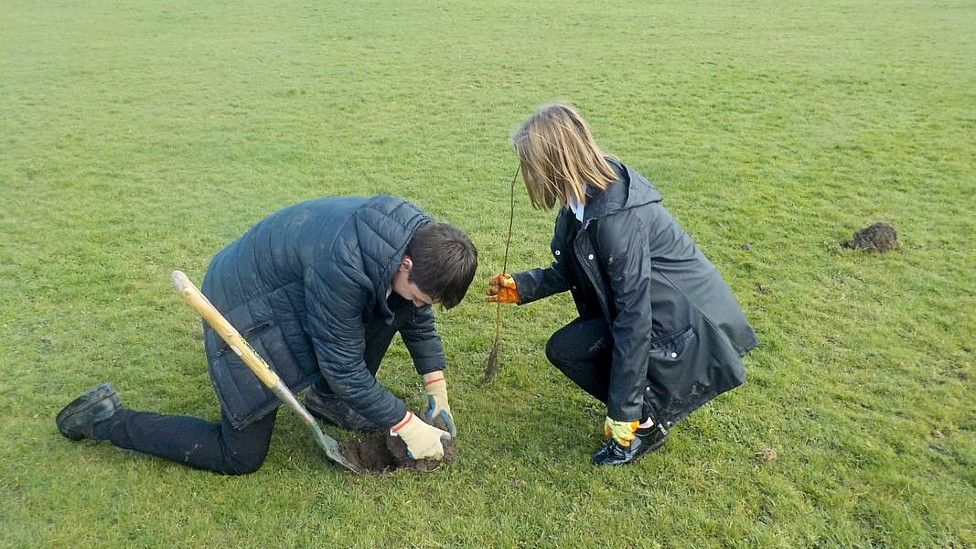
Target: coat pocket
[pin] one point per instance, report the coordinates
(672, 346)
(248, 334)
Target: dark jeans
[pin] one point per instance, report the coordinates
(218, 447)
(583, 351)
(195, 442)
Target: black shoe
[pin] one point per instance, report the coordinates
(77, 420)
(647, 440)
(329, 407)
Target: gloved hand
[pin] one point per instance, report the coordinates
(502, 289)
(437, 405)
(423, 441)
(624, 432)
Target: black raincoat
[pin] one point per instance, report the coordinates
(678, 333)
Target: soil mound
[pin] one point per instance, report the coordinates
(880, 237)
(379, 452)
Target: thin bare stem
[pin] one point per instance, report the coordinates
(491, 366)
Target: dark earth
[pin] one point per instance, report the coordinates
(379, 453)
(880, 237)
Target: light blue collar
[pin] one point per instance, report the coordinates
(577, 209)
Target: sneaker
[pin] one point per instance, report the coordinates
(329, 407)
(77, 420)
(647, 440)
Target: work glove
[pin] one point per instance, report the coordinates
(624, 432)
(423, 440)
(502, 289)
(437, 405)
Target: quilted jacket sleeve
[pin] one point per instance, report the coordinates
(336, 296)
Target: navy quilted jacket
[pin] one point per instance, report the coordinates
(301, 286)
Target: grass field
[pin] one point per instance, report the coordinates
(136, 138)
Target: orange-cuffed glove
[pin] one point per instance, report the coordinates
(502, 289)
(624, 432)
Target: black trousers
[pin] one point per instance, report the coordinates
(583, 351)
(192, 441)
(218, 447)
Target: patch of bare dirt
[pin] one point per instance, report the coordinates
(766, 454)
(379, 452)
(880, 237)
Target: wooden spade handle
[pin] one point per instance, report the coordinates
(192, 295)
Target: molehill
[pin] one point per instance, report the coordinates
(880, 237)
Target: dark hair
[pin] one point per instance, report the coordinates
(444, 261)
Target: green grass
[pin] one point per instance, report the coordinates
(139, 138)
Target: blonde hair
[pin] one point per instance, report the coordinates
(559, 157)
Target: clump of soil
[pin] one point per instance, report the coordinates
(766, 454)
(379, 452)
(880, 237)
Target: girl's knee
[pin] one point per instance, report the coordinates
(552, 351)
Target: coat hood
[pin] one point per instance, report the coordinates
(629, 191)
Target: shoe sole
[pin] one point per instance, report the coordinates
(656, 446)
